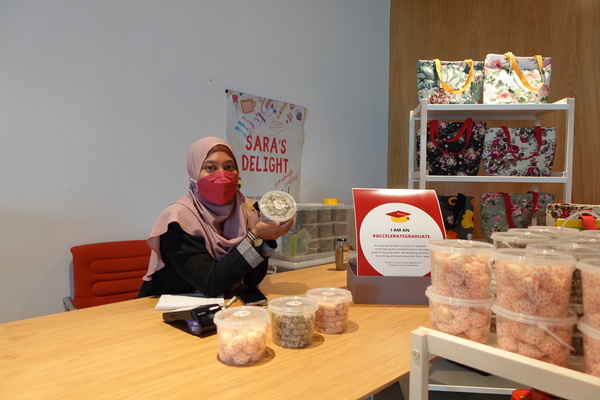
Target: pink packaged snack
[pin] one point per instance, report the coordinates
(590, 283)
(242, 333)
(459, 268)
(533, 281)
(334, 307)
(591, 347)
(545, 339)
(469, 319)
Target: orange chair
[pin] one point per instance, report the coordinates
(107, 272)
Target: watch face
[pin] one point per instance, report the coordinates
(258, 242)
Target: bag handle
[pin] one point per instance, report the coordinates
(465, 128)
(447, 87)
(507, 204)
(588, 216)
(458, 210)
(538, 138)
(515, 66)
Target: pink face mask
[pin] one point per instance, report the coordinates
(218, 187)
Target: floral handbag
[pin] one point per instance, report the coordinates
(453, 148)
(562, 211)
(509, 79)
(500, 211)
(519, 151)
(450, 82)
(457, 212)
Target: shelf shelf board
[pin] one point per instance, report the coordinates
(523, 112)
(557, 177)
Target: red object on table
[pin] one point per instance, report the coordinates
(529, 394)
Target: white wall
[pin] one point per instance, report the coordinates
(100, 99)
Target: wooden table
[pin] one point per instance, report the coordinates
(125, 351)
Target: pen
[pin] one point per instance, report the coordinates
(230, 302)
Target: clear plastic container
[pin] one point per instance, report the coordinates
(590, 283)
(293, 321)
(459, 268)
(583, 238)
(314, 233)
(242, 334)
(533, 281)
(578, 251)
(277, 205)
(469, 319)
(554, 231)
(517, 239)
(545, 339)
(333, 311)
(591, 347)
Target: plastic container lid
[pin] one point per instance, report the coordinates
(293, 305)
(576, 249)
(237, 317)
(330, 295)
(591, 240)
(570, 319)
(586, 328)
(518, 237)
(530, 255)
(589, 264)
(460, 246)
(592, 233)
(555, 231)
(453, 301)
(278, 206)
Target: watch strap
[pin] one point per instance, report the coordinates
(255, 240)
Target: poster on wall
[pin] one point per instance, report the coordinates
(393, 230)
(267, 136)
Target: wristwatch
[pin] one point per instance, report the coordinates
(255, 240)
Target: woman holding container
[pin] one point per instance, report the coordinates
(211, 239)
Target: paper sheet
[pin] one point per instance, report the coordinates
(174, 302)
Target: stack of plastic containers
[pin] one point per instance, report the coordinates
(578, 251)
(459, 296)
(533, 317)
(589, 325)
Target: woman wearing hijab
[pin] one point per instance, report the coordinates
(211, 239)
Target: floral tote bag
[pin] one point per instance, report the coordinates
(519, 151)
(510, 80)
(453, 148)
(450, 82)
(457, 213)
(562, 211)
(500, 211)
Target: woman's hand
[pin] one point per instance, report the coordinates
(272, 230)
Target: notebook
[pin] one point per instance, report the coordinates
(188, 300)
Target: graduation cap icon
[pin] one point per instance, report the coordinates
(398, 216)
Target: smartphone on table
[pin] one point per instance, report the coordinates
(252, 297)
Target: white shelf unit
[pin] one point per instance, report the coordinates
(490, 112)
(563, 382)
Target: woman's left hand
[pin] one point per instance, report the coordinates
(272, 230)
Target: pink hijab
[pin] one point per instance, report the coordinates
(221, 226)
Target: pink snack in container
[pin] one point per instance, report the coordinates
(590, 283)
(334, 307)
(469, 319)
(533, 282)
(242, 333)
(591, 347)
(545, 339)
(459, 268)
